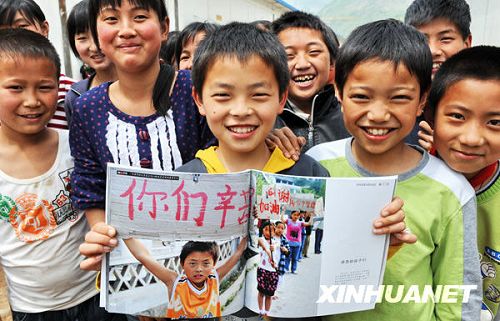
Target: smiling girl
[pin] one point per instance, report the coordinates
(146, 118)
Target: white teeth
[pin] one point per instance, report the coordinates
(303, 78)
(242, 130)
(436, 65)
(31, 116)
(377, 131)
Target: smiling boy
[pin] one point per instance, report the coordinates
(383, 73)
(464, 108)
(312, 110)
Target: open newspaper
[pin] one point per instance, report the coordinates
(201, 245)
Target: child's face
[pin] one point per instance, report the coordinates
(295, 216)
(380, 106)
(279, 229)
(267, 232)
(21, 22)
(467, 125)
(444, 39)
(308, 63)
(89, 53)
(28, 95)
(187, 54)
(241, 102)
(197, 266)
(131, 36)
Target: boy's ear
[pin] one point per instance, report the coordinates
(468, 41)
(284, 97)
(44, 27)
(199, 102)
(165, 27)
(423, 103)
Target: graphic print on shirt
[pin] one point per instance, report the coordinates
(32, 218)
(490, 262)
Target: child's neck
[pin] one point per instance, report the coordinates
(483, 177)
(400, 159)
(102, 76)
(235, 161)
(304, 105)
(133, 92)
(27, 156)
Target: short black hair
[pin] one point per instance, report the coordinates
(421, 12)
(385, 40)
(242, 41)
(21, 43)
(197, 246)
(264, 25)
(479, 63)
(78, 22)
(300, 19)
(29, 9)
(189, 33)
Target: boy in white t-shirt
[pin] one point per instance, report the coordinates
(40, 229)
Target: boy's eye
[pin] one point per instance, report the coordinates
(261, 95)
(447, 39)
(315, 52)
(15, 87)
(47, 87)
(358, 97)
(184, 57)
(495, 122)
(401, 98)
(456, 116)
(220, 95)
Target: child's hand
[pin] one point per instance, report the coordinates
(284, 250)
(271, 247)
(425, 134)
(286, 140)
(98, 241)
(391, 221)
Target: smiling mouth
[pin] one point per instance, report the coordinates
(377, 131)
(31, 116)
(436, 65)
(241, 129)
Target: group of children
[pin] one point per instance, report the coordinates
(144, 113)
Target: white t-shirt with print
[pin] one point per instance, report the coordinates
(40, 234)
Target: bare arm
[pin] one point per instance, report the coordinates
(142, 254)
(231, 262)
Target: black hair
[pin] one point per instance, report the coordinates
(300, 19)
(78, 22)
(197, 246)
(278, 223)
(28, 9)
(189, 33)
(168, 48)
(21, 43)
(421, 12)
(264, 25)
(161, 90)
(242, 41)
(386, 40)
(479, 63)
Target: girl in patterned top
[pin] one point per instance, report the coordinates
(146, 118)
